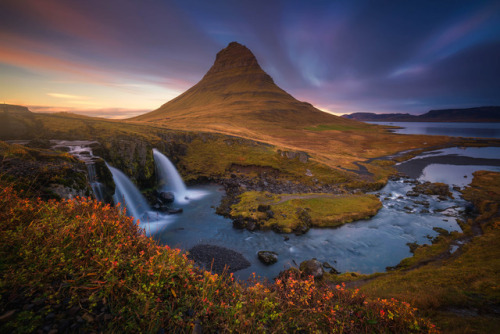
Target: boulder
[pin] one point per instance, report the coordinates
(263, 208)
(239, 223)
(166, 197)
(173, 211)
(428, 188)
(334, 271)
(267, 257)
(312, 268)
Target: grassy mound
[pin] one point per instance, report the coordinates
(287, 212)
(76, 265)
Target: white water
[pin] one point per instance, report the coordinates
(97, 187)
(128, 195)
(83, 151)
(169, 179)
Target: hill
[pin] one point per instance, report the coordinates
(237, 90)
(479, 114)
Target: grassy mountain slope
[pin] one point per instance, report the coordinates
(237, 97)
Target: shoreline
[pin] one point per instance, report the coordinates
(414, 167)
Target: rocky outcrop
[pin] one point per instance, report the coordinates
(44, 173)
(267, 257)
(301, 156)
(312, 268)
(428, 188)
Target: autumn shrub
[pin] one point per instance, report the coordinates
(81, 253)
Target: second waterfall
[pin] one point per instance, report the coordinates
(168, 177)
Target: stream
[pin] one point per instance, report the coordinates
(365, 246)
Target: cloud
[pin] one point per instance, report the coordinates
(112, 113)
(67, 96)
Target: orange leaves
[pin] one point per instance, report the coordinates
(96, 251)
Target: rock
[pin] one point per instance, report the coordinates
(166, 197)
(305, 222)
(173, 211)
(333, 271)
(312, 268)
(327, 265)
(267, 257)
(412, 194)
(239, 223)
(270, 214)
(263, 208)
(217, 258)
(251, 225)
(428, 188)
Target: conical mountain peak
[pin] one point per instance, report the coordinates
(236, 94)
(234, 56)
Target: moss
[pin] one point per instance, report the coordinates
(292, 211)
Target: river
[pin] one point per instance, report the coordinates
(365, 246)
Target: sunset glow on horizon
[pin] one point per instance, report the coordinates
(122, 58)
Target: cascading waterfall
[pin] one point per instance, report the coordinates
(83, 151)
(128, 194)
(97, 187)
(168, 177)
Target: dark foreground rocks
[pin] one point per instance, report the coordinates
(312, 268)
(217, 258)
(267, 257)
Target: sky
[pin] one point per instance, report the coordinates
(121, 58)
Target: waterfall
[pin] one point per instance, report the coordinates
(97, 187)
(128, 194)
(168, 177)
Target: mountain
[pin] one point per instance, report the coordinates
(237, 95)
(479, 114)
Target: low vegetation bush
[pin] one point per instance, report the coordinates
(81, 255)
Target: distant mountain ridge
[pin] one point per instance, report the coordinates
(14, 109)
(479, 114)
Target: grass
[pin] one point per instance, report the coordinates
(58, 256)
(290, 212)
(342, 127)
(447, 286)
(40, 171)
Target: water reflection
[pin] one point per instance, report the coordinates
(454, 129)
